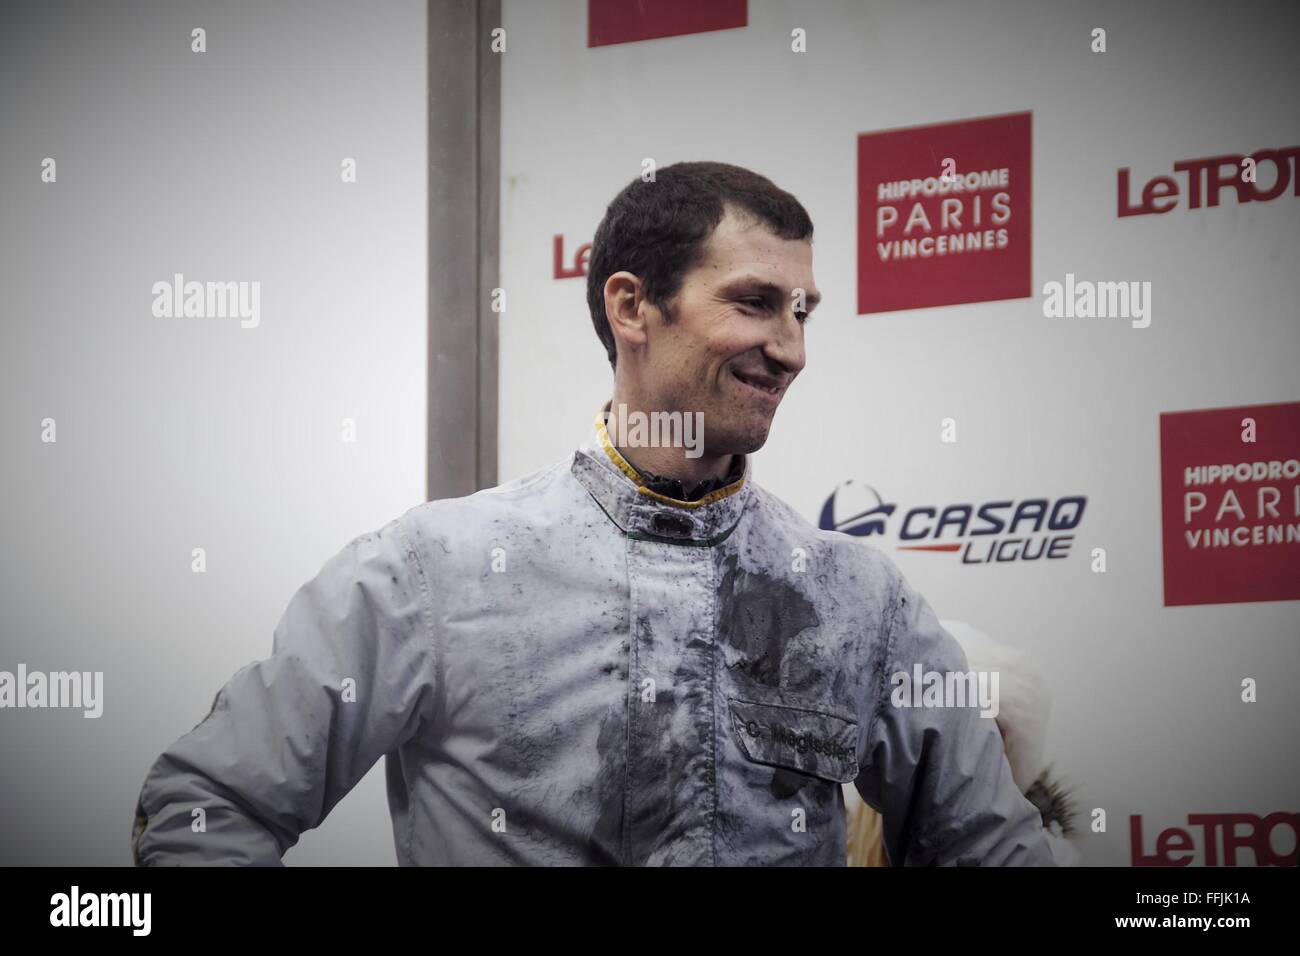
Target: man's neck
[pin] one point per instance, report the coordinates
(665, 461)
(689, 471)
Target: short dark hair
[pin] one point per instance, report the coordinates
(658, 230)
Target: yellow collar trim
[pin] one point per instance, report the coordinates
(624, 466)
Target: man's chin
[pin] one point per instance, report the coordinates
(746, 440)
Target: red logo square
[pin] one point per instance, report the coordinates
(1230, 509)
(932, 232)
(627, 21)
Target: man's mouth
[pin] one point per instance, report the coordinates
(760, 383)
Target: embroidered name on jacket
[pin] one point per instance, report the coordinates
(800, 742)
(810, 741)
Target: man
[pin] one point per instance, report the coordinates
(633, 656)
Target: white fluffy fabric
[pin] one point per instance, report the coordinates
(1023, 699)
(1064, 852)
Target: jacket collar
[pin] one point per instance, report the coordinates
(640, 512)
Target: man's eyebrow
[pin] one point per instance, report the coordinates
(769, 289)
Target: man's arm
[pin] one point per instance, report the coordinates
(938, 775)
(287, 737)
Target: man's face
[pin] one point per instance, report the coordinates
(735, 342)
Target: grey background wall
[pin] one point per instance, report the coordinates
(183, 433)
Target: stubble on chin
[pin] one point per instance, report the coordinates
(742, 439)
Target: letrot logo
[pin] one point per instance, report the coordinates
(991, 532)
(1207, 178)
(581, 259)
(1222, 837)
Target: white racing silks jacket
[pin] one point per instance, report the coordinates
(572, 669)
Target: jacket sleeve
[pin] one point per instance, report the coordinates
(352, 675)
(938, 775)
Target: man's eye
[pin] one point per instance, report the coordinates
(753, 302)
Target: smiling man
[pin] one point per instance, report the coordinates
(636, 655)
(708, 328)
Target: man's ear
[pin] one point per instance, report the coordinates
(624, 298)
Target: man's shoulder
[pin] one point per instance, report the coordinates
(516, 495)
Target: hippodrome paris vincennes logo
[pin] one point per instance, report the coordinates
(990, 532)
(1230, 504)
(943, 214)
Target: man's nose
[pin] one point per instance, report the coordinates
(786, 345)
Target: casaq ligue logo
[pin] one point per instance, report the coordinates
(993, 532)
